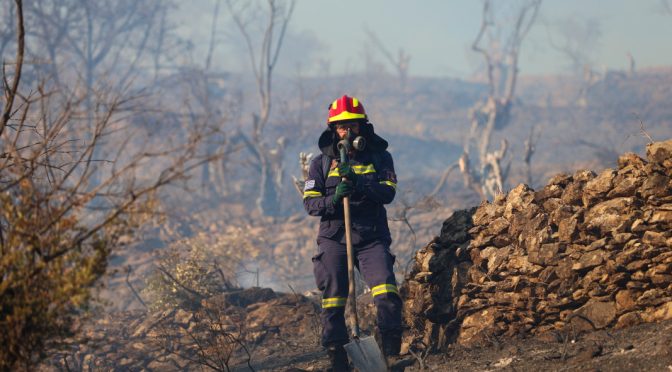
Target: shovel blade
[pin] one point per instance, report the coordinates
(365, 355)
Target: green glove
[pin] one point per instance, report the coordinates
(343, 189)
(345, 170)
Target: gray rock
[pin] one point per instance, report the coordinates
(610, 214)
(659, 152)
(590, 260)
(586, 249)
(598, 187)
(600, 314)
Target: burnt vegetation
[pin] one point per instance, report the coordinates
(146, 193)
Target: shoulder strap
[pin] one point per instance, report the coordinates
(326, 164)
(376, 158)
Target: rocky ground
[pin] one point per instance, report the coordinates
(645, 347)
(576, 276)
(282, 336)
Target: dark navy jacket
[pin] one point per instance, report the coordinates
(376, 186)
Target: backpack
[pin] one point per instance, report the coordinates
(326, 163)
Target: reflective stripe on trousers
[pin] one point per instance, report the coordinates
(375, 263)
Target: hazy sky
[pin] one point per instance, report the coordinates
(437, 34)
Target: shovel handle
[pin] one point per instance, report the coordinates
(352, 296)
(343, 148)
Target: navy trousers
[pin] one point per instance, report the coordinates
(374, 261)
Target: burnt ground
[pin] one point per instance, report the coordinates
(262, 330)
(282, 335)
(646, 347)
(281, 332)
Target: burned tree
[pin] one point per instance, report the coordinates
(96, 46)
(400, 62)
(212, 99)
(8, 27)
(578, 38)
(263, 56)
(499, 43)
(54, 245)
(89, 40)
(667, 6)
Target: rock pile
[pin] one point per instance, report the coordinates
(590, 251)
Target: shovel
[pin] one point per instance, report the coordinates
(363, 352)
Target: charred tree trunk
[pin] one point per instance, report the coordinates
(269, 160)
(488, 173)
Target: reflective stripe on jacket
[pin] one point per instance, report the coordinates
(375, 187)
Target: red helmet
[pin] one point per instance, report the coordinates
(346, 108)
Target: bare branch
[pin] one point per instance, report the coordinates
(488, 176)
(400, 64)
(443, 179)
(642, 130)
(269, 159)
(135, 293)
(530, 148)
(213, 35)
(667, 6)
(468, 175)
(20, 41)
(283, 28)
(485, 23)
(172, 279)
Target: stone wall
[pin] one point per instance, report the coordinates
(589, 250)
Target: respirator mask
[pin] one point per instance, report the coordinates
(356, 142)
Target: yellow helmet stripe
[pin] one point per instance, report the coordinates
(346, 116)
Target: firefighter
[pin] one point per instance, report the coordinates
(370, 184)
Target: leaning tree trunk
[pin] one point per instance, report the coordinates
(269, 201)
(488, 173)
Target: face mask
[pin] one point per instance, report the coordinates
(351, 141)
(359, 143)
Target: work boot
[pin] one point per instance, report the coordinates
(398, 363)
(338, 358)
(391, 347)
(391, 343)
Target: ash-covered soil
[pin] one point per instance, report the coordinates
(645, 347)
(280, 334)
(575, 277)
